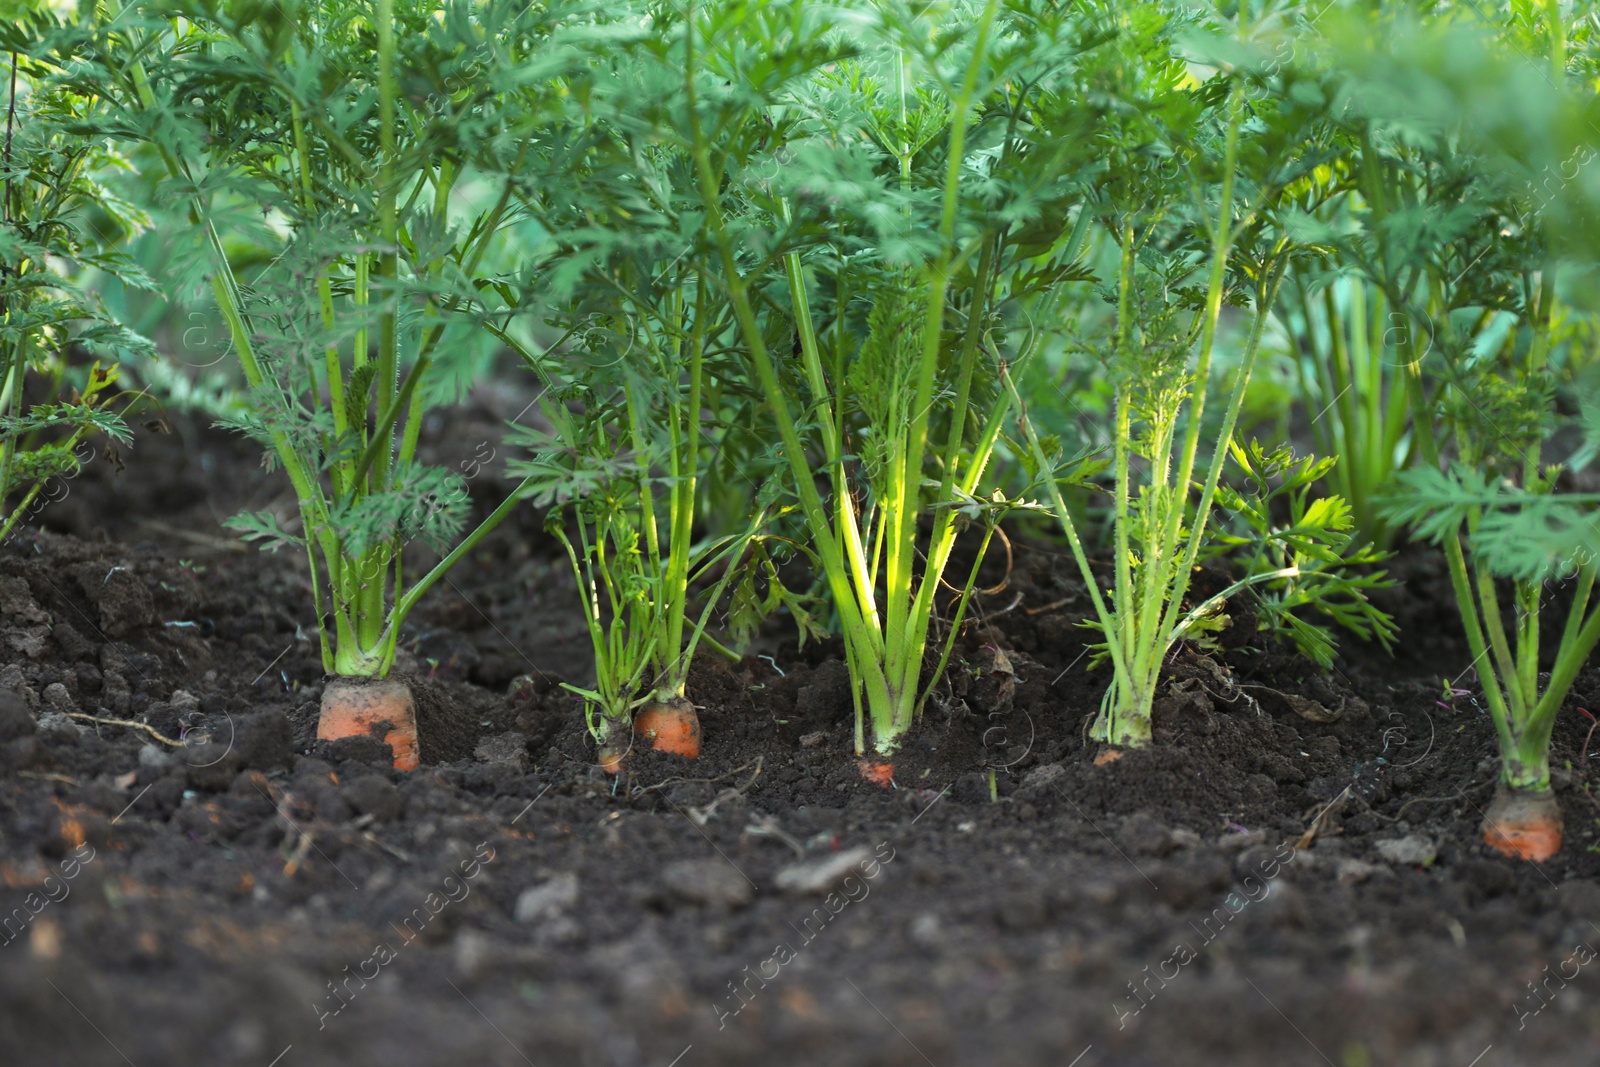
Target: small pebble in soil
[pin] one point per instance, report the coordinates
(53, 724)
(1351, 871)
(1042, 779)
(153, 762)
(12, 679)
(1413, 850)
(548, 900)
(1142, 835)
(707, 882)
(15, 719)
(926, 931)
(822, 874)
(510, 747)
(1234, 841)
(58, 698)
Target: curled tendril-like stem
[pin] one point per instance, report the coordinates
(1005, 579)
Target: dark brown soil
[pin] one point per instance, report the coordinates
(256, 897)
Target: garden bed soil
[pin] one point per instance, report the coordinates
(258, 897)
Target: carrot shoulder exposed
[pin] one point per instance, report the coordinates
(1525, 824)
(878, 772)
(669, 726)
(371, 707)
(611, 758)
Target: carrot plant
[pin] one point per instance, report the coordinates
(602, 467)
(1276, 524)
(1493, 508)
(1189, 195)
(619, 466)
(1480, 280)
(1346, 358)
(642, 382)
(59, 223)
(351, 173)
(836, 173)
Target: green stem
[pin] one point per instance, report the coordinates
(405, 603)
(685, 468)
(388, 232)
(12, 403)
(847, 523)
(1122, 440)
(1159, 552)
(1426, 435)
(857, 634)
(1264, 304)
(1058, 504)
(904, 652)
(1164, 578)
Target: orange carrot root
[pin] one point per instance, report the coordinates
(878, 772)
(1110, 755)
(670, 726)
(612, 757)
(1523, 824)
(372, 707)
